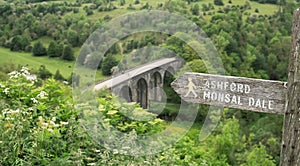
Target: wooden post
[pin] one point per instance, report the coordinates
(290, 150)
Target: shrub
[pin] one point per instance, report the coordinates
(39, 49)
(68, 53)
(218, 2)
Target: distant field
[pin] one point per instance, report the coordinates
(52, 64)
(264, 9)
(267, 9)
(26, 59)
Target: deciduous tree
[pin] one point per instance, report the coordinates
(107, 64)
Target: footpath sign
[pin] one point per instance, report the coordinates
(255, 95)
(232, 92)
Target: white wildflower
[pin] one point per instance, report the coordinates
(51, 122)
(50, 130)
(66, 82)
(115, 151)
(8, 118)
(45, 124)
(63, 123)
(2, 86)
(126, 147)
(53, 119)
(25, 70)
(6, 91)
(15, 111)
(34, 100)
(30, 109)
(13, 74)
(5, 111)
(31, 77)
(40, 118)
(23, 74)
(91, 164)
(97, 151)
(42, 95)
(123, 152)
(25, 113)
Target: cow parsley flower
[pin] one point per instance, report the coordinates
(25, 71)
(40, 118)
(6, 91)
(52, 123)
(15, 111)
(8, 118)
(50, 130)
(5, 112)
(42, 95)
(63, 123)
(31, 77)
(14, 74)
(53, 119)
(97, 151)
(34, 100)
(45, 125)
(115, 151)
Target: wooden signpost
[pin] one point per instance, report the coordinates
(255, 95)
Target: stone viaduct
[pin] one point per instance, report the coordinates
(143, 83)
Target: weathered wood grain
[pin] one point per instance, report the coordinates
(290, 150)
(250, 94)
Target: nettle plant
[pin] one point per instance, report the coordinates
(34, 119)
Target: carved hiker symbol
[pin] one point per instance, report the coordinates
(191, 88)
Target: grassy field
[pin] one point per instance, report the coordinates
(26, 59)
(264, 9)
(52, 64)
(267, 9)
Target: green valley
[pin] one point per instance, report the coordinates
(46, 122)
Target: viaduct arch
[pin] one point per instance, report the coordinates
(143, 83)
